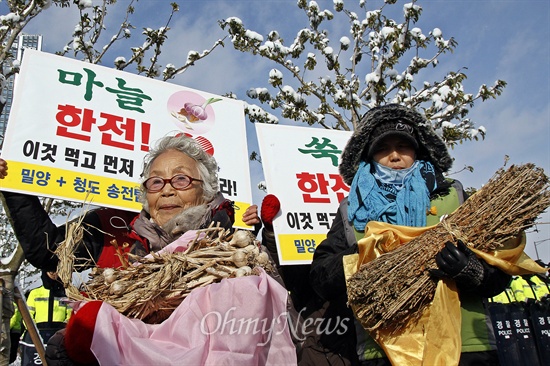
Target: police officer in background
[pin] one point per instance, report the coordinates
(48, 307)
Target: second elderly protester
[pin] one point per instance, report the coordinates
(394, 163)
(180, 192)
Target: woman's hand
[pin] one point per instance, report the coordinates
(459, 263)
(3, 168)
(250, 216)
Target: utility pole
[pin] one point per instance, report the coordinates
(537, 243)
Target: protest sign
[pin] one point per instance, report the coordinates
(301, 168)
(79, 131)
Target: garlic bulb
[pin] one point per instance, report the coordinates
(109, 274)
(118, 287)
(262, 258)
(251, 249)
(243, 271)
(239, 258)
(241, 239)
(246, 269)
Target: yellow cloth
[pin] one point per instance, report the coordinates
(435, 339)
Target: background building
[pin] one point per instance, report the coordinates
(22, 42)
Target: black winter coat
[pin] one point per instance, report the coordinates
(39, 236)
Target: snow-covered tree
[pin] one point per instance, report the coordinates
(332, 82)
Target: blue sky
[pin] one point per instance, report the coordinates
(497, 39)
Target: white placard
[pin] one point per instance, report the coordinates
(301, 168)
(79, 131)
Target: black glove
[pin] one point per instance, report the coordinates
(459, 263)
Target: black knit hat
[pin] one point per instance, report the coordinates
(389, 119)
(394, 127)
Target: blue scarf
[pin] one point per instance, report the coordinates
(399, 197)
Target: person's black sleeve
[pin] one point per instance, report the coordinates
(39, 236)
(494, 282)
(327, 268)
(268, 240)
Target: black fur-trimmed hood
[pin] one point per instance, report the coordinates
(431, 146)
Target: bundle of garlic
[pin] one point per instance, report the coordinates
(152, 287)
